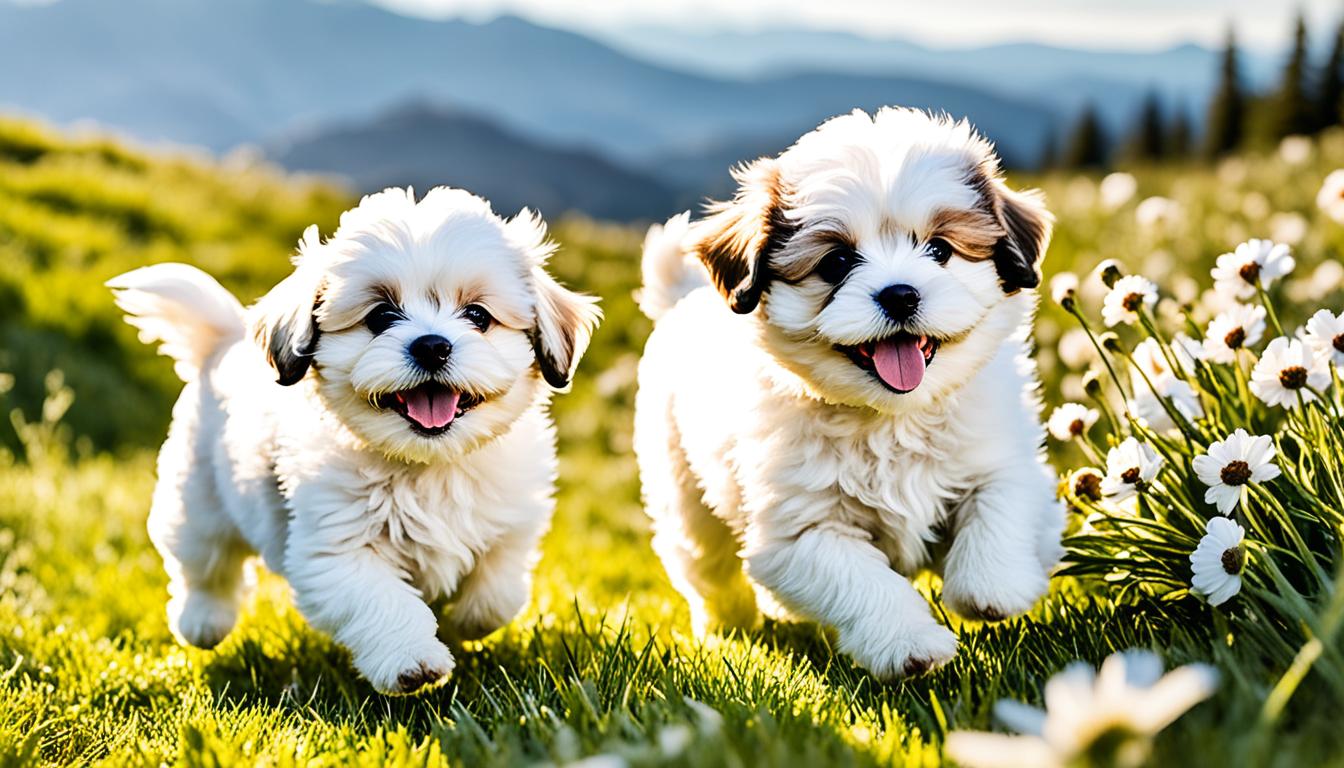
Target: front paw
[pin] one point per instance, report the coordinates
(200, 619)
(407, 669)
(976, 592)
(892, 652)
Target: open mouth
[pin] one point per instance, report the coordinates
(898, 361)
(429, 408)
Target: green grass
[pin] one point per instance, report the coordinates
(602, 662)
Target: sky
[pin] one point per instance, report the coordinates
(1123, 24)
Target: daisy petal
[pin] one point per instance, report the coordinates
(1020, 717)
(996, 750)
(1174, 694)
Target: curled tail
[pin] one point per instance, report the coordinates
(670, 270)
(185, 310)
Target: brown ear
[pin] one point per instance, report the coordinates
(283, 321)
(735, 241)
(565, 323)
(1027, 225)
(565, 320)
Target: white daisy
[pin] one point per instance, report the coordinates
(1218, 561)
(1238, 328)
(1255, 206)
(1117, 710)
(1126, 296)
(1290, 227)
(1063, 287)
(1146, 404)
(1331, 197)
(1130, 467)
(1159, 213)
(1086, 483)
(1325, 279)
(1288, 370)
(1187, 351)
(1295, 149)
(1108, 272)
(1117, 189)
(1232, 463)
(1075, 348)
(1254, 262)
(1071, 420)
(1325, 337)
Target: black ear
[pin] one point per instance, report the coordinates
(565, 322)
(284, 322)
(1027, 225)
(736, 240)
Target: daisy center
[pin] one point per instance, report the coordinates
(1236, 473)
(1130, 475)
(1132, 302)
(1249, 272)
(1293, 377)
(1088, 486)
(1235, 338)
(1339, 343)
(1077, 426)
(1233, 560)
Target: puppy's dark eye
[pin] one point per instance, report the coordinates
(837, 263)
(382, 317)
(939, 250)
(478, 316)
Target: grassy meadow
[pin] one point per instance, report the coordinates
(601, 667)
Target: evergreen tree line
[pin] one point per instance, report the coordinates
(1308, 99)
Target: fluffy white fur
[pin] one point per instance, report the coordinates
(392, 540)
(780, 476)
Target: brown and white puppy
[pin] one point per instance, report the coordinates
(838, 387)
(375, 428)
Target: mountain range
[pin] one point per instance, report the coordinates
(424, 145)
(624, 128)
(1062, 78)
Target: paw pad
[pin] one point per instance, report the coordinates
(914, 667)
(413, 680)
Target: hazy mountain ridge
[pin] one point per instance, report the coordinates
(323, 84)
(1063, 78)
(424, 146)
(272, 67)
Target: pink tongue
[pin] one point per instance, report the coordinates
(431, 408)
(899, 362)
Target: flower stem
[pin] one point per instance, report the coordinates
(1101, 352)
(1269, 309)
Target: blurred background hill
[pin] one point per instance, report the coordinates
(622, 122)
(221, 130)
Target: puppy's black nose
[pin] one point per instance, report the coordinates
(898, 301)
(431, 352)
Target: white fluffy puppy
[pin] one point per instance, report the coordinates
(862, 405)
(380, 437)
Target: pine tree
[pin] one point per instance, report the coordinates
(1227, 112)
(1330, 97)
(1179, 140)
(1049, 157)
(1291, 108)
(1147, 142)
(1088, 144)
